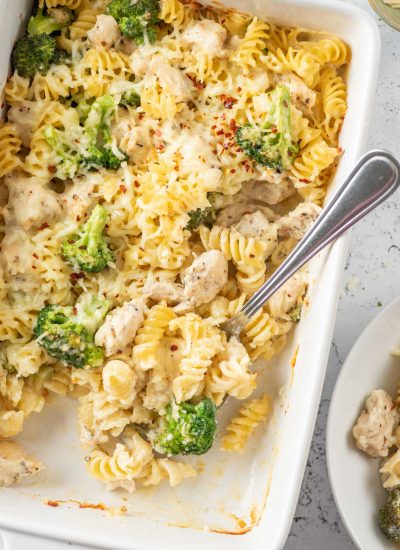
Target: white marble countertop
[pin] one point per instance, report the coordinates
(371, 281)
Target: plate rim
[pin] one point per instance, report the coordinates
(395, 302)
(378, 7)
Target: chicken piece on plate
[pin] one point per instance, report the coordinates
(374, 432)
(270, 192)
(105, 33)
(16, 464)
(286, 298)
(298, 222)
(16, 254)
(208, 36)
(30, 203)
(78, 200)
(204, 278)
(172, 293)
(120, 327)
(300, 94)
(233, 213)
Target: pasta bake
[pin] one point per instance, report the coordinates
(159, 161)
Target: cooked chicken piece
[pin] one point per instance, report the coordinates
(172, 293)
(286, 298)
(196, 153)
(256, 225)
(171, 78)
(30, 203)
(78, 200)
(205, 278)
(269, 192)
(300, 94)
(298, 222)
(16, 255)
(120, 327)
(140, 61)
(233, 213)
(105, 33)
(135, 141)
(16, 464)
(374, 432)
(25, 116)
(208, 36)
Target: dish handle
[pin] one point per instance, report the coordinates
(14, 540)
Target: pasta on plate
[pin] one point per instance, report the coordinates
(159, 160)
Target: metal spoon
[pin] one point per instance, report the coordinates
(373, 180)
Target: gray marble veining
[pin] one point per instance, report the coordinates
(371, 280)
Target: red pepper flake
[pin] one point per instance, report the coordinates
(35, 255)
(75, 310)
(239, 89)
(34, 267)
(220, 132)
(303, 180)
(232, 125)
(213, 127)
(229, 102)
(74, 277)
(53, 503)
(247, 167)
(196, 83)
(94, 506)
(136, 183)
(122, 189)
(252, 256)
(174, 347)
(43, 226)
(215, 152)
(228, 135)
(233, 170)
(52, 169)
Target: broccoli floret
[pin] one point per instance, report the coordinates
(47, 23)
(69, 159)
(202, 216)
(389, 516)
(34, 54)
(295, 313)
(86, 148)
(130, 98)
(270, 144)
(67, 332)
(186, 429)
(87, 251)
(136, 19)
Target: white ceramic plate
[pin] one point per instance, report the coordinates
(354, 476)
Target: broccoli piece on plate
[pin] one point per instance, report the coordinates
(136, 19)
(67, 332)
(87, 251)
(35, 54)
(186, 429)
(389, 516)
(68, 159)
(270, 144)
(47, 23)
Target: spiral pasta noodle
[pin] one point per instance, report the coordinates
(10, 145)
(252, 44)
(119, 381)
(243, 425)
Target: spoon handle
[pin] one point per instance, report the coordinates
(372, 181)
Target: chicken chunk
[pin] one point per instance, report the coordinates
(205, 277)
(374, 432)
(16, 253)
(269, 192)
(287, 297)
(298, 222)
(78, 200)
(233, 213)
(300, 94)
(172, 293)
(16, 464)
(25, 116)
(256, 225)
(105, 33)
(30, 203)
(207, 36)
(171, 78)
(135, 141)
(120, 327)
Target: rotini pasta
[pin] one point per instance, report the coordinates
(163, 179)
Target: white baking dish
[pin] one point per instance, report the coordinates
(253, 494)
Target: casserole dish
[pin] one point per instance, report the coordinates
(253, 494)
